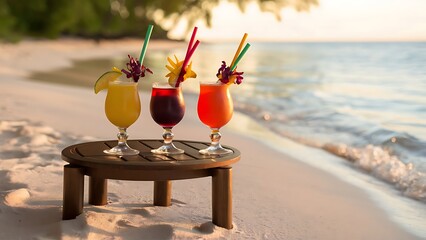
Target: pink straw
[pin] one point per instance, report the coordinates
(191, 41)
(189, 55)
(191, 49)
(185, 63)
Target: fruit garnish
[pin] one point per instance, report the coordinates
(134, 69)
(116, 69)
(181, 70)
(104, 80)
(175, 69)
(227, 76)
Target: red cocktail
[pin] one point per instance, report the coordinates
(167, 108)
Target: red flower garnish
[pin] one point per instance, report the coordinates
(136, 71)
(225, 74)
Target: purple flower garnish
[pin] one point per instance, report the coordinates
(224, 74)
(136, 71)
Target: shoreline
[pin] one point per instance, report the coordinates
(291, 211)
(384, 195)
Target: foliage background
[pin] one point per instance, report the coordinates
(113, 18)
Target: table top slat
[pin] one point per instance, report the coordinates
(157, 158)
(135, 158)
(111, 143)
(198, 145)
(182, 157)
(153, 143)
(192, 151)
(92, 149)
(140, 146)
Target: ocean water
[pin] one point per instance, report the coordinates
(364, 102)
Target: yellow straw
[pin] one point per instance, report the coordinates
(239, 48)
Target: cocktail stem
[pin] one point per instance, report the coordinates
(215, 137)
(168, 135)
(122, 137)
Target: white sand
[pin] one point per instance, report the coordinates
(275, 196)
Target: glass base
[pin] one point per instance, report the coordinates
(122, 150)
(168, 149)
(215, 150)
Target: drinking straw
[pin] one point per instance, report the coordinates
(191, 41)
(145, 43)
(240, 56)
(239, 49)
(191, 49)
(189, 55)
(185, 63)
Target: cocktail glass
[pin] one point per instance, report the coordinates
(215, 109)
(167, 109)
(122, 108)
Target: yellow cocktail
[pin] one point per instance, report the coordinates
(122, 104)
(122, 108)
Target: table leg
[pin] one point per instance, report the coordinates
(73, 191)
(163, 193)
(222, 197)
(98, 191)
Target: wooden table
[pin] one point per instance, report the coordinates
(89, 159)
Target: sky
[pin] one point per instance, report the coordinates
(331, 20)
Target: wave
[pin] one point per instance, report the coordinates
(378, 162)
(385, 154)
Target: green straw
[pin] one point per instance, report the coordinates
(145, 43)
(240, 56)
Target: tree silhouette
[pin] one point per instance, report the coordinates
(114, 18)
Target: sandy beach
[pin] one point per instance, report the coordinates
(274, 195)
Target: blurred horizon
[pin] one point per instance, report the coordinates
(329, 21)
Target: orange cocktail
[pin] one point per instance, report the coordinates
(215, 105)
(215, 109)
